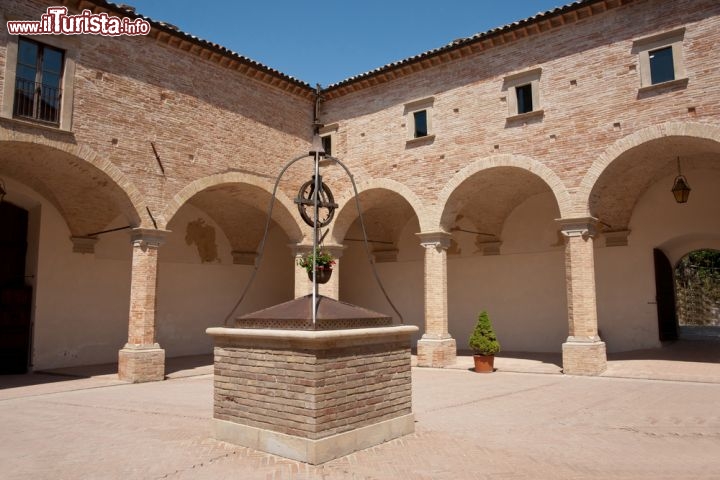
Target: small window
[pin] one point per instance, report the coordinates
(660, 60)
(38, 81)
(523, 94)
(329, 139)
(661, 65)
(418, 118)
(421, 126)
(524, 98)
(327, 144)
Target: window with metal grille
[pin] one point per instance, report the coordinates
(37, 82)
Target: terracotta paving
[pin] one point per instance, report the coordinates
(505, 425)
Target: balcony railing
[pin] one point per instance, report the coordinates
(37, 101)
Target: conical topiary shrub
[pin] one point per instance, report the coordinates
(483, 340)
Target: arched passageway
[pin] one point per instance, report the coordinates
(76, 265)
(391, 225)
(643, 228)
(216, 226)
(506, 257)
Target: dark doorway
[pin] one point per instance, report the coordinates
(15, 296)
(665, 297)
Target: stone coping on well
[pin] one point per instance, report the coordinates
(310, 336)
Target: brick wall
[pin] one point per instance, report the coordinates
(588, 88)
(207, 119)
(311, 393)
(203, 118)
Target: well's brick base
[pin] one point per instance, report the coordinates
(584, 358)
(138, 365)
(436, 353)
(312, 395)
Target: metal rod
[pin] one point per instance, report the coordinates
(456, 229)
(316, 196)
(371, 241)
(157, 157)
(151, 217)
(109, 231)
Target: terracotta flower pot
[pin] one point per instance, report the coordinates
(323, 275)
(484, 363)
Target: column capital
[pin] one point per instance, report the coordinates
(578, 227)
(335, 250)
(303, 248)
(148, 236)
(438, 240)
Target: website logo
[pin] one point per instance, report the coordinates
(57, 22)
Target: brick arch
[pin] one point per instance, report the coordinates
(343, 222)
(598, 167)
(285, 220)
(562, 197)
(89, 156)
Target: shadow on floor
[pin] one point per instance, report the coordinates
(177, 367)
(682, 359)
(701, 350)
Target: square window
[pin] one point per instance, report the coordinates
(38, 82)
(524, 98)
(660, 60)
(661, 65)
(523, 94)
(421, 126)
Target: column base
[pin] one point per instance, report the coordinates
(436, 352)
(584, 356)
(144, 363)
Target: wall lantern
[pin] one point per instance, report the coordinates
(680, 189)
(3, 192)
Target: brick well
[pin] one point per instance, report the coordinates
(312, 395)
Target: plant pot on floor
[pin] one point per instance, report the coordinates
(484, 363)
(484, 343)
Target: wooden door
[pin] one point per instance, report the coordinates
(15, 296)
(665, 297)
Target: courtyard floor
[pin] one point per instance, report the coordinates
(653, 415)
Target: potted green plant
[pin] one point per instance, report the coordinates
(484, 343)
(319, 260)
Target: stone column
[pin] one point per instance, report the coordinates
(436, 348)
(142, 359)
(303, 286)
(583, 352)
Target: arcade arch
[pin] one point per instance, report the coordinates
(216, 225)
(645, 231)
(506, 254)
(76, 268)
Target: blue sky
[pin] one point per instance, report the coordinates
(326, 42)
